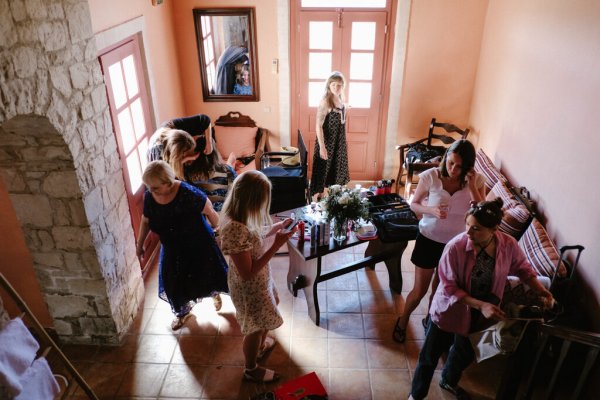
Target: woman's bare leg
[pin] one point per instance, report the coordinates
(422, 279)
(251, 346)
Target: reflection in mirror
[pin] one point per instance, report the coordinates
(226, 47)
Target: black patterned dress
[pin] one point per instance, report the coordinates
(334, 170)
(191, 263)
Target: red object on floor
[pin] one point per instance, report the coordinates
(300, 388)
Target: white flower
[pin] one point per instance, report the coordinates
(333, 189)
(344, 199)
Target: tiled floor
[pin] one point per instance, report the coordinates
(351, 351)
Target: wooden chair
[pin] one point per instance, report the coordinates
(238, 133)
(423, 154)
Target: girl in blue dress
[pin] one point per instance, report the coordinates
(191, 264)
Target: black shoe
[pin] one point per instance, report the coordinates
(457, 391)
(399, 334)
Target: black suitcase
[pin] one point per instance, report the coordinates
(290, 182)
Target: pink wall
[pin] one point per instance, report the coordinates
(534, 106)
(16, 264)
(161, 54)
(444, 39)
(266, 111)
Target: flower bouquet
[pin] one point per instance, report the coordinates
(342, 205)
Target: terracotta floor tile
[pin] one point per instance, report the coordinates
(309, 352)
(156, 348)
(280, 355)
(142, 379)
(415, 330)
(160, 322)
(227, 383)
(390, 384)
(184, 381)
(349, 384)
(303, 326)
(347, 353)
(386, 354)
(373, 280)
(344, 282)
(351, 351)
(345, 325)
(379, 326)
(228, 325)
(342, 301)
(104, 378)
(376, 302)
(228, 351)
(204, 320)
(334, 261)
(125, 352)
(79, 352)
(194, 350)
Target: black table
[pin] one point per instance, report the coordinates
(305, 271)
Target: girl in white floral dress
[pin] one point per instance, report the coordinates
(244, 226)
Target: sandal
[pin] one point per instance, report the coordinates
(267, 347)
(399, 334)
(268, 376)
(218, 302)
(457, 391)
(178, 322)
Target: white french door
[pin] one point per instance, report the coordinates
(353, 43)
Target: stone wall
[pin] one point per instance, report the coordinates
(59, 161)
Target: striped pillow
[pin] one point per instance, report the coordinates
(540, 250)
(486, 167)
(516, 216)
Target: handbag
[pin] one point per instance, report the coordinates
(420, 153)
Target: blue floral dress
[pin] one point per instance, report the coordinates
(191, 263)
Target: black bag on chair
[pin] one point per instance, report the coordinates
(420, 153)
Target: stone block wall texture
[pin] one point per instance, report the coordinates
(60, 164)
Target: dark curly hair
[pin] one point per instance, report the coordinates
(488, 213)
(466, 152)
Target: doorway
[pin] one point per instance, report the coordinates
(354, 42)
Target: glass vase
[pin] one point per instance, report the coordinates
(339, 227)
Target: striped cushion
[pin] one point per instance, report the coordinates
(486, 167)
(516, 216)
(540, 250)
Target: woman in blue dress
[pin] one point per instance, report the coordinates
(191, 264)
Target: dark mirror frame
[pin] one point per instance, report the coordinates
(249, 36)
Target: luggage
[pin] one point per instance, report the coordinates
(288, 178)
(393, 218)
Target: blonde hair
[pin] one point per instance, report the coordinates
(158, 172)
(176, 145)
(248, 201)
(335, 76)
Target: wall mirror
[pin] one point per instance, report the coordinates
(227, 52)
